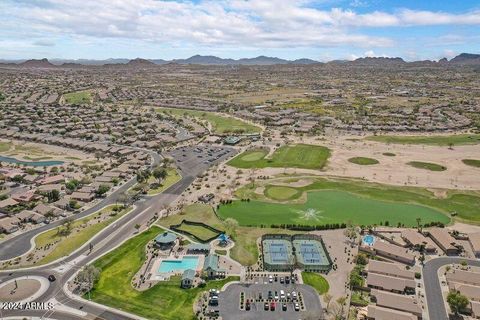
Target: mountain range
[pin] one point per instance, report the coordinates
(464, 58)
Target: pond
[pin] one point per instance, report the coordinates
(47, 163)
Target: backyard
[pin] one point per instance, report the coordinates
(288, 156)
(165, 301)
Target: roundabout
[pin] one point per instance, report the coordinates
(23, 289)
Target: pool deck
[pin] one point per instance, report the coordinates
(160, 276)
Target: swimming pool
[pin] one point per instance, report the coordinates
(32, 163)
(369, 240)
(180, 265)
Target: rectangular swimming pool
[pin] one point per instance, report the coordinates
(180, 265)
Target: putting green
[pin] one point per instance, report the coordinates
(254, 155)
(327, 207)
(282, 193)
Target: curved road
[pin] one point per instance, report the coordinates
(106, 240)
(433, 290)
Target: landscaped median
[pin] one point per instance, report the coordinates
(164, 301)
(172, 177)
(81, 231)
(61, 241)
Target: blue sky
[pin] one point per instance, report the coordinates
(321, 30)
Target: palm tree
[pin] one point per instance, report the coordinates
(419, 220)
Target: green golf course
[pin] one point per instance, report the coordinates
(290, 156)
(438, 140)
(465, 205)
(220, 123)
(330, 206)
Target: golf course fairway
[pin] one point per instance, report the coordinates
(327, 207)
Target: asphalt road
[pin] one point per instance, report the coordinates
(109, 238)
(433, 291)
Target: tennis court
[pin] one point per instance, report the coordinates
(278, 253)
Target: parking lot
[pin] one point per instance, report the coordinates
(269, 301)
(201, 157)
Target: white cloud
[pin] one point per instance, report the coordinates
(236, 23)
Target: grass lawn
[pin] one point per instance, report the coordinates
(292, 156)
(472, 162)
(5, 146)
(316, 281)
(165, 301)
(389, 154)
(76, 238)
(199, 232)
(245, 250)
(466, 204)
(446, 140)
(80, 97)
(427, 166)
(282, 193)
(363, 161)
(220, 123)
(172, 177)
(37, 158)
(221, 252)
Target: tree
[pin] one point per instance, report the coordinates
(327, 298)
(159, 173)
(231, 226)
(53, 195)
(102, 189)
(351, 233)
(87, 277)
(72, 203)
(72, 184)
(419, 220)
(457, 301)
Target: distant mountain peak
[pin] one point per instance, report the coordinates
(37, 63)
(137, 62)
(466, 58)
